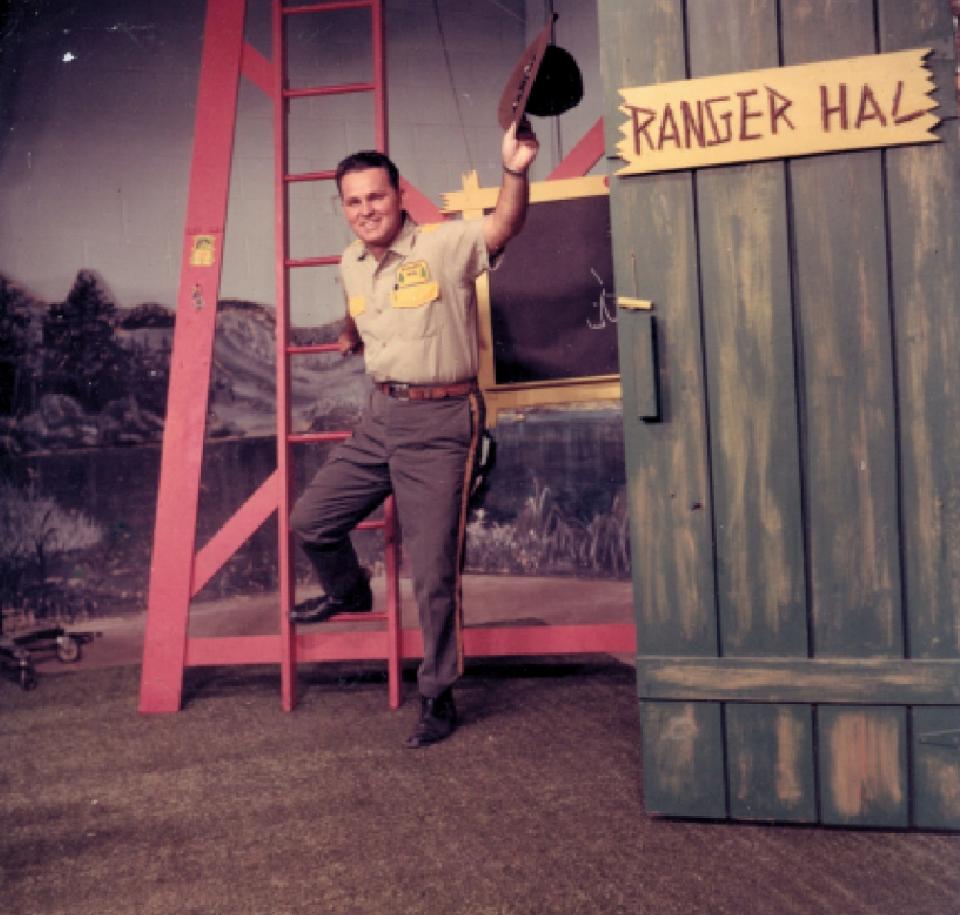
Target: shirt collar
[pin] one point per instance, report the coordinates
(403, 241)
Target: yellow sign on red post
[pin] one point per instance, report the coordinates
(854, 103)
(203, 250)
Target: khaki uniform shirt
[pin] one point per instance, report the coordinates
(417, 309)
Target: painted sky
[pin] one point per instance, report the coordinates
(97, 118)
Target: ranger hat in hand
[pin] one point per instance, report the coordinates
(545, 82)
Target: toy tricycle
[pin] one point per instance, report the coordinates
(17, 653)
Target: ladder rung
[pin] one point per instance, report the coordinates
(313, 438)
(302, 349)
(378, 616)
(312, 261)
(327, 175)
(344, 89)
(331, 7)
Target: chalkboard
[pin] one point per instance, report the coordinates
(552, 308)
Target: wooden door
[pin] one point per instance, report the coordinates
(795, 475)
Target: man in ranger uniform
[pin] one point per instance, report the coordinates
(412, 311)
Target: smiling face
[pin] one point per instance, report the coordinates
(372, 207)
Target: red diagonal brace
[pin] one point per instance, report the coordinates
(418, 204)
(225, 542)
(256, 68)
(583, 156)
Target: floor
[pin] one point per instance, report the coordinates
(534, 806)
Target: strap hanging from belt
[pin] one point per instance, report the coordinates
(477, 422)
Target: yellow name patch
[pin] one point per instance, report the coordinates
(415, 296)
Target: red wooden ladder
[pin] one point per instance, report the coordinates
(178, 571)
(322, 646)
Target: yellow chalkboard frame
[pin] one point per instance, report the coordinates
(472, 201)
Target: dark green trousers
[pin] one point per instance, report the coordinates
(422, 451)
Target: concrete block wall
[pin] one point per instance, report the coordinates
(96, 123)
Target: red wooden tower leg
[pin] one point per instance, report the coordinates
(171, 571)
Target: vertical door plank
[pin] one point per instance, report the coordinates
(668, 487)
(923, 190)
(848, 421)
(863, 765)
(655, 259)
(754, 450)
(936, 767)
(751, 384)
(682, 765)
(770, 762)
(923, 186)
(924, 24)
(748, 332)
(641, 42)
(842, 300)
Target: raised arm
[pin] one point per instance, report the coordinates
(520, 147)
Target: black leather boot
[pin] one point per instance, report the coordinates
(438, 719)
(318, 609)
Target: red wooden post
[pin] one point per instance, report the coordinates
(175, 533)
(285, 562)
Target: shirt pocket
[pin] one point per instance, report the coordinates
(418, 296)
(415, 310)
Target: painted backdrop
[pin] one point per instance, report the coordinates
(96, 120)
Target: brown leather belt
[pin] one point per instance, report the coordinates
(405, 391)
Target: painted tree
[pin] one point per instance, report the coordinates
(16, 352)
(81, 354)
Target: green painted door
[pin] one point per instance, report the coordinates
(792, 425)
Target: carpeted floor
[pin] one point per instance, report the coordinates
(232, 806)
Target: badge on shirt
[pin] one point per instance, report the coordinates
(412, 273)
(414, 288)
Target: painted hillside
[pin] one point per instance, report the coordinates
(82, 401)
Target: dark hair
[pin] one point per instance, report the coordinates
(361, 161)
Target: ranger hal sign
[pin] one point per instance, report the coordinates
(855, 103)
